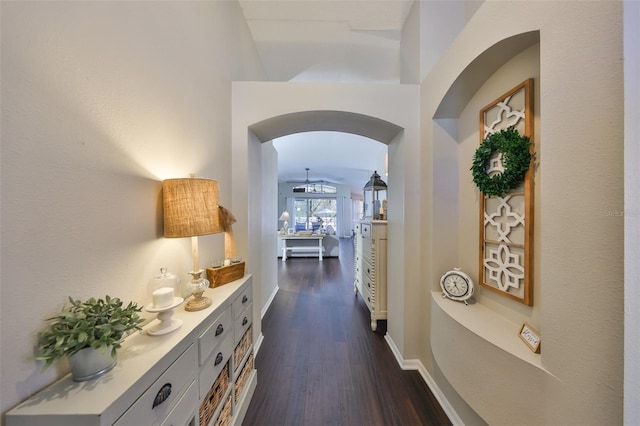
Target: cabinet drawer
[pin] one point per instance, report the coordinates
(367, 249)
(242, 301)
(357, 228)
(368, 272)
(368, 299)
(369, 285)
(174, 381)
(214, 335)
(366, 230)
(214, 365)
(242, 323)
(185, 410)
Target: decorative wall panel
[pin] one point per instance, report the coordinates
(506, 223)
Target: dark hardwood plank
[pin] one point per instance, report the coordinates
(320, 363)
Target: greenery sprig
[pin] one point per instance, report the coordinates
(96, 323)
(516, 160)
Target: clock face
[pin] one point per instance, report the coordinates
(456, 285)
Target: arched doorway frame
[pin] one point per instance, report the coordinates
(387, 113)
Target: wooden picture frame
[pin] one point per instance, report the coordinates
(506, 262)
(530, 337)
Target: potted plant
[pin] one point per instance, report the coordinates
(89, 333)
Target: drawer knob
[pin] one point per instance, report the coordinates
(218, 358)
(244, 299)
(219, 330)
(163, 395)
(245, 320)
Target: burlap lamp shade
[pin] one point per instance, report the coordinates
(190, 207)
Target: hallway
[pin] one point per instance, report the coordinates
(320, 363)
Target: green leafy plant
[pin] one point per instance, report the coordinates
(516, 161)
(96, 323)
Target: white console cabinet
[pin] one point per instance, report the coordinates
(371, 267)
(205, 369)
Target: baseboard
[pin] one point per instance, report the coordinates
(257, 344)
(266, 306)
(416, 364)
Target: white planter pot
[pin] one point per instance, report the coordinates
(89, 363)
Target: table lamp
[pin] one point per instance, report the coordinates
(191, 210)
(284, 217)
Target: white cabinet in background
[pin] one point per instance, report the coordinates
(371, 267)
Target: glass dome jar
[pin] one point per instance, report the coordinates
(163, 289)
(375, 198)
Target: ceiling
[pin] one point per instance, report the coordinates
(328, 40)
(354, 41)
(340, 158)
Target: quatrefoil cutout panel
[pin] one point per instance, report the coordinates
(505, 114)
(504, 219)
(504, 268)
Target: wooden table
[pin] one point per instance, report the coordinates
(293, 248)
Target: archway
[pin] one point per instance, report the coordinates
(263, 111)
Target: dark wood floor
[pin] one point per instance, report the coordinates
(320, 363)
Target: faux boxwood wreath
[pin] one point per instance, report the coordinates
(516, 159)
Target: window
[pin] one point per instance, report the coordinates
(313, 214)
(316, 188)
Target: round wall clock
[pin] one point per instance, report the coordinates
(456, 285)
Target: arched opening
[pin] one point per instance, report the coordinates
(387, 113)
(252, 165)
(372, 128)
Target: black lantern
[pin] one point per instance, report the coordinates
(375, 198)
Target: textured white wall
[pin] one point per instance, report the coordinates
(632, 211)
(100, 102)
(579, 303)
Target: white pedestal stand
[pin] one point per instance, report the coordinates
(166, 324)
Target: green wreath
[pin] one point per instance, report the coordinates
(516, 159)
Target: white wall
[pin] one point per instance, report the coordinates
(631, 211)
(100, 102)
(269, 207)
(577, 378)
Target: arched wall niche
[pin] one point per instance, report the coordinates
(487, 326)
(479, 70)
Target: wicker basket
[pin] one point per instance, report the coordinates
(214, 396)
(243, 377)
(224, 418)
(242, 348)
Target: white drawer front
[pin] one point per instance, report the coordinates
(212, 367)
(242, 301)
(176, 378)
(185, 410)
(214, 335)
(366, 230)
(242, 323)
(368, 298)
